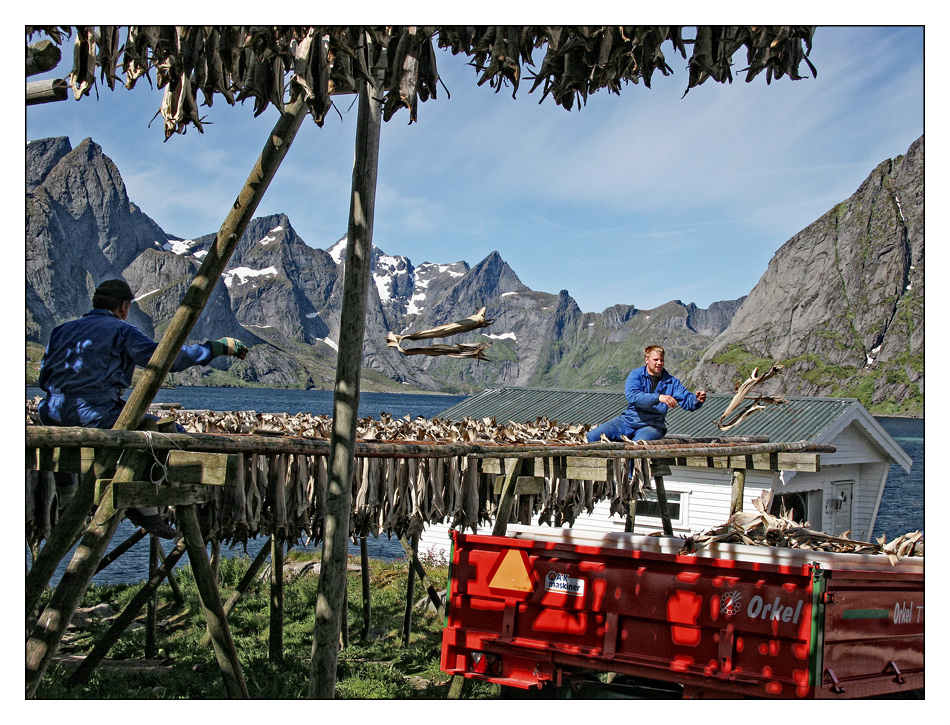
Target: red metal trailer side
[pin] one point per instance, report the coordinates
(526, 612)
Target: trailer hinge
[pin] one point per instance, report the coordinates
(899, 678)
(835, 686)
(829, 598)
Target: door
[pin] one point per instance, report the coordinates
(840, 504)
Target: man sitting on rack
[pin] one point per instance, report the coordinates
(89, 363)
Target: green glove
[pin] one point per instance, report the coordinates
(228, 346)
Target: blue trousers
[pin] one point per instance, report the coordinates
(617, 427)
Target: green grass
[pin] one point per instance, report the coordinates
(377, 667)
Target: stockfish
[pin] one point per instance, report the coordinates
(755, 404)
(462, 350)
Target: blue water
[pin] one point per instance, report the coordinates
(902, 503)
(901, 509)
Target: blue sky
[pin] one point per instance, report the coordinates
(638, 199)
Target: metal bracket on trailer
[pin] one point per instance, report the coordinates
(835, 686)
(899, 679)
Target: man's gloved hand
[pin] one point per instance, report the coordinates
(228, 346)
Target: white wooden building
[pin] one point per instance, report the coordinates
(843, 495)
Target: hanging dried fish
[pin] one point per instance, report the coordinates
(756, 404)
(464, 350)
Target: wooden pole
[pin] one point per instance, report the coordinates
(346, 394)
(215, 559)
(172, 581)
(276, 638)
(345, 616)
(412, 552)
(738, 489)
(364, 578)
(507, 497)
(456, 687)
(47, 634)
(151, 611)
(88, 665)
(214, 264)
(241, 589)
(664, 506)
(47, 638)
(121, 549)
(47, 91)
(631, 515)
(224, 650)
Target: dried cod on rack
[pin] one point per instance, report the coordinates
(398, 495)
(391, 495)
(760, 528)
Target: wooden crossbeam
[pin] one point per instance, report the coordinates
(190, 478)
(529, 485)
(600, 469)
(60, 460)
(213, 469)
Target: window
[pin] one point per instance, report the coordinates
(804, 507)
(649, 507)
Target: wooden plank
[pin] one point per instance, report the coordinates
(491, 465)
(546, 467)
(531, 485)
(64, 460)
(214, 469)
(138, 494)
(808, 462)
(738, 489)
(586, 469)
(765, 461)
(506, 498)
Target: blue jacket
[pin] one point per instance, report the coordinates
(89, 363)
(644, 407)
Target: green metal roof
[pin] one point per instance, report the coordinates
(802, 418)
(525, 405)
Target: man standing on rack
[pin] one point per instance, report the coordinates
(651, 393)
(89, 363)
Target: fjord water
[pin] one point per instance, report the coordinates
(901, 510)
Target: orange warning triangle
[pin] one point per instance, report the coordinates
(512, 572)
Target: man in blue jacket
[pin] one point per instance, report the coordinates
(651, 393)
(89, 363)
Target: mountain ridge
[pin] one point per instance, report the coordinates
(283, 297)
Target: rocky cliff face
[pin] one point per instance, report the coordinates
(841, 303)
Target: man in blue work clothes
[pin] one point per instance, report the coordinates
(89, 363)
(651, 393)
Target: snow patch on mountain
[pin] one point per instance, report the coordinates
(245, 275)
(180, 247)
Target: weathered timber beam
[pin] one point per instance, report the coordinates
(42, 56)
(331, 587)
(681, 450)
(526, 485)
(49, 91)
(51, 436)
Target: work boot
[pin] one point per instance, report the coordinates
(153, 524)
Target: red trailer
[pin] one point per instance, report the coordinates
(535, 610)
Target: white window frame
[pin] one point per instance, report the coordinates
(679, 522)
